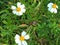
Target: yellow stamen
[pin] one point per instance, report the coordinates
(22, 38)
(54, 6)
(18, 9)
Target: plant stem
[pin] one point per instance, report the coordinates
(57, 41)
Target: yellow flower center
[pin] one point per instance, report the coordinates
(54, 5)
(18, 9)
(22, 38)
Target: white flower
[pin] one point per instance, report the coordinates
(52, 7)
(20, 40)
(19, 10)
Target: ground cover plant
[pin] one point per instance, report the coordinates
(41, 24)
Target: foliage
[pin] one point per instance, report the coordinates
(42, 25)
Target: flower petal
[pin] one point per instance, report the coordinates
(50, 5)
(23, 10)
(13, 7)
(17, 36)
(14, 11)
(57, 6)
(18, 4)
(24, 43)
(23, 33)
(49, 9)
(19, 43)
(22, 6)
(55, 10)
(17, 39)
(17, 13)
(27, 37)
(52, 10)
(20, 13)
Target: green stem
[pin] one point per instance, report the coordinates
(38, 5)
(29, 29)
(34, 1)
(33, 31)
(57, 41)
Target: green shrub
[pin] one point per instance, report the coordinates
(42, 25)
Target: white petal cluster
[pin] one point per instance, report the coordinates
(20, 40)
(19, 10)
(52, 7)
